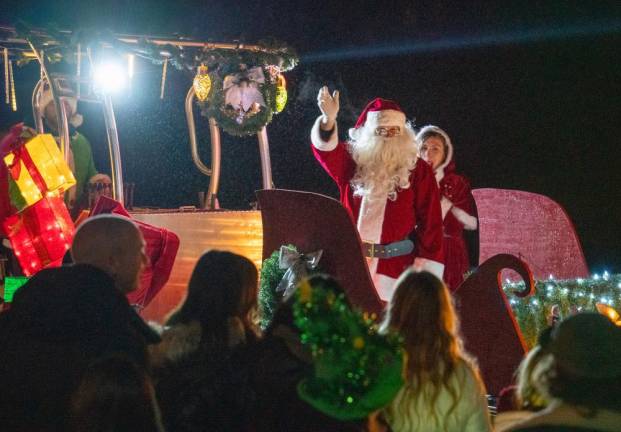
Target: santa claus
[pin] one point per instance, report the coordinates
(389, 191)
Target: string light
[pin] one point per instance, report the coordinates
(13, 97)
(78, 71)
(164, 69)
(130, 66)
(7, 94)
(567, 296)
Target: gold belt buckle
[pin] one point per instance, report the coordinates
(372, 251)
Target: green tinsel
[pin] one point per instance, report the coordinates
(571, 296)
(357, 370)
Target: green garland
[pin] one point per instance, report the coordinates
(356, 369)
(570, 296)
(269, 299)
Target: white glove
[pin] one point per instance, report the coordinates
(329, 105)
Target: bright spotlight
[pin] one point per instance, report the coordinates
(110, 77)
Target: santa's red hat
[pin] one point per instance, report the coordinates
(379, 112)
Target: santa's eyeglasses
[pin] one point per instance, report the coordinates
(388, 132)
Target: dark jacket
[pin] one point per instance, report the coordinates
(59, 322)
(280, 362)
(199, 388)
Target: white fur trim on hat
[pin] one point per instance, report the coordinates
(386, 117)
(439, 172)
(376, 119)
(320, 144)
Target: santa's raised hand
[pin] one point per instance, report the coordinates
(329, 106)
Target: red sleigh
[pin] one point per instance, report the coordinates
(517, 230)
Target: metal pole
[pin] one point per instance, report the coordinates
(216, 155)
(36, 112)
(64, 127)
(63, 131)
(114, 149)
(189, 116)
(161, 41)
(266, 166)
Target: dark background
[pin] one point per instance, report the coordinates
(528, 91)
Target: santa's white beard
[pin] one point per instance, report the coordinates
(383, 164)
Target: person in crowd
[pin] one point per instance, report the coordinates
(117, 395)
(202, 380)
(64, 318)
(281, 360)
(436, 148)
(443, 390)
(390, 193)
(81, 155)
(580, 376)
(519, 401)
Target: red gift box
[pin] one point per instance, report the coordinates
(41, 234)
(161, 246)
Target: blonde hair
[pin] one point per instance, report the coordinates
(422, 311)
(527, 395)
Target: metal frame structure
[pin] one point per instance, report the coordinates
(114, 149)
(216, 153)
(54, 80)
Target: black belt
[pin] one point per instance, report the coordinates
(390, 250)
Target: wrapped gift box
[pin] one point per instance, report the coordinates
(41, 234)
(35, 168)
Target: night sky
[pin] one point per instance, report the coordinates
(528, 91)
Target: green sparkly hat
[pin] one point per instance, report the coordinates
(356, 369)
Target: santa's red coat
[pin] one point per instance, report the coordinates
(414, 214)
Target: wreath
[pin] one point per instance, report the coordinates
(258, 73)
(274, 279)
